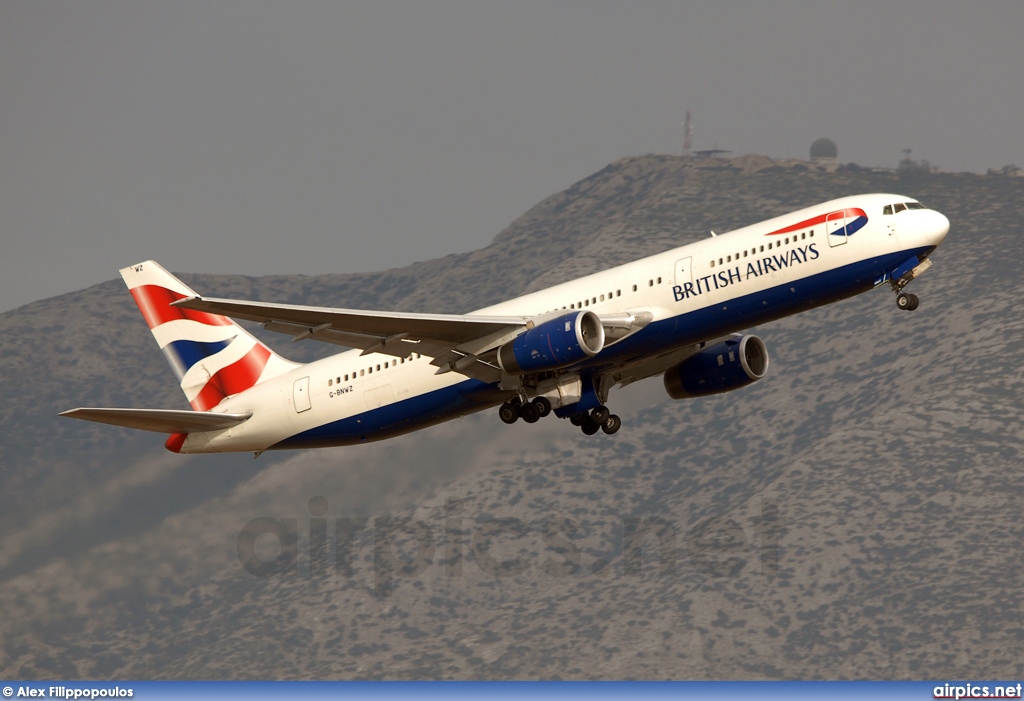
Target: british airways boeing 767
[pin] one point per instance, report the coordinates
(679, 314)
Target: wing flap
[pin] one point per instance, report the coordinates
(159, 420)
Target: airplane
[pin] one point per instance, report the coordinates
(679, 314)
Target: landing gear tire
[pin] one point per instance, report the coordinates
(578, 419)
(589, 426)
(612, 424)
(509, 413)
(907, 301)
(543, 406)
(599, 415)
(530, 413)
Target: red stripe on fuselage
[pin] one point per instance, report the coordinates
(237, 377)
(155, 304)
(851, 213)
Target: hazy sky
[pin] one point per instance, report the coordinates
(312, 137)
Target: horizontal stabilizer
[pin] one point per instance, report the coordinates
(160, 420)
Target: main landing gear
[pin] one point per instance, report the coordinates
(530, 412)
(598, 419)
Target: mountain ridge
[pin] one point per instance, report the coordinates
(886, 443)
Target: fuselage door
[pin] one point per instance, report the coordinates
(684, 273)
(379, 396)
(300, 395)
(835, 228)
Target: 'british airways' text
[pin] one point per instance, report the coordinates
(762, 266)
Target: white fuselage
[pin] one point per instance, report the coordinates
(697, 292)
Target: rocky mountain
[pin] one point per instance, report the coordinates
(853, 515)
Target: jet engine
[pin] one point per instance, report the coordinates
(723, 367)
(553, 344)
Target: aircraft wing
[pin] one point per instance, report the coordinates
(466, 344)
(159, 420)
(454, 341)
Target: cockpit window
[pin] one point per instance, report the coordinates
(898, 207)
(915, 205)
(887, 209)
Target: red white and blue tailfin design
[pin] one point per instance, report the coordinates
(212, 356)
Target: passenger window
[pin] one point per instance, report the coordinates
(659, 280)
(762, 249)
(378, 368)
(602, 298)
(362, 372)
(650, 283)
(595, 300)
(330, 382)
(769, 247)
(618, 293)
(634, 288)
(712, 264)
(346, 378)
(728, 259)
(803, 236)
(744, 254)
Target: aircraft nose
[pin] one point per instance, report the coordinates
(936, 226)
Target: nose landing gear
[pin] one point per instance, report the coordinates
(907, 301)
(901, 277)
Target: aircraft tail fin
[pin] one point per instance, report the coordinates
(212, 356)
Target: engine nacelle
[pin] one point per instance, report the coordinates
(553, 344)
(720, 368)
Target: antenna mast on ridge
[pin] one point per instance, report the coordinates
(687, 135)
